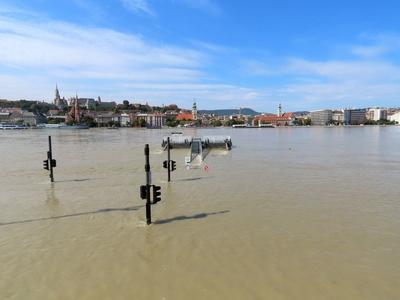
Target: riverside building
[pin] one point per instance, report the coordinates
(376, 114)
(354, 116)
(321, 117)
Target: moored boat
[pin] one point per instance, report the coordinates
(74, 127)
(12, 127)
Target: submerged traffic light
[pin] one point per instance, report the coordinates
(50, 163)
(143, 192)
(156, 194)
(173, 165)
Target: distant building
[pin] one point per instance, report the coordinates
(24, 117)
(33, 119)
(376, 114)
(88, 103)
(5, 117)
(106, 105)
(285, 119)
(354, 116)
(74, 114)
(321, 117)
(395, 117)
(125, 120)
(184, 117)
(280, 119)
(60, 103)
(337, 117)
(107, 118)
(155, 120)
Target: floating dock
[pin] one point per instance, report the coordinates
(197, 144)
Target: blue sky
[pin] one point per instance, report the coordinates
(225, 54)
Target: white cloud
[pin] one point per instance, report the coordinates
(341, 70)
(256, 68)
(61, 45)
(374, 46)
(37, 53)
(368, 79)
(138, 6)
(369, 51)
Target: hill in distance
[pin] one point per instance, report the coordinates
(227, 112)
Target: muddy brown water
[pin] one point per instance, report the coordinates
(290, 213)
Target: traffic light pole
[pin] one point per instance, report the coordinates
(169, 164)
(145, 189)
(148, 183)
(50, 160)
(169, 159)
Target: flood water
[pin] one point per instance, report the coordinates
(290, 213)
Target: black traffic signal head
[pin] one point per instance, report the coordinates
(46, 164)
(156, 194)
(165, 164)
(173, 165)
(143, 192)
(53, 163)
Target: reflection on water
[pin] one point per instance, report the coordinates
(99, 211)
(196, 216)
(52, 200)
(289, 213)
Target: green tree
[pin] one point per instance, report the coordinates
(172, 122)
(125, 104)
(229, 123)
(89, 121)
(142, 123)
(216, 123)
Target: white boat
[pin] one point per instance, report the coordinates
(52, 126)
(74, 127)
(240, 126)
(266, 125)
(11, 127)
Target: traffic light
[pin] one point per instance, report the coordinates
(165, 164)
(143, 191)
(46, 164)
(173, 165)
(53, 163)
(156, 194)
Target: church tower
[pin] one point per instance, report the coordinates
(280, 110)
(60, 103)
(77, 110)
(74, 114)
(57, 98)
(194, 111)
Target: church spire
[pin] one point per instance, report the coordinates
(57, 92)
(57, 96)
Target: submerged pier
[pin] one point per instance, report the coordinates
(197, 144)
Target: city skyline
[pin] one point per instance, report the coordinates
(225, 55)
